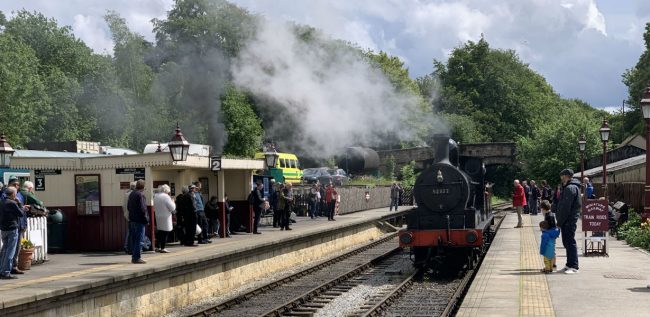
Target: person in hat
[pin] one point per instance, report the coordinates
(568, 212)
(9, 226)
(14, 182)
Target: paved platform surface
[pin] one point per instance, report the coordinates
(509, 282)
(65, 273)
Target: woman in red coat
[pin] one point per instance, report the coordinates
(518, 201)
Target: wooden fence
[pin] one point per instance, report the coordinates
(37, 233)
(630, 193)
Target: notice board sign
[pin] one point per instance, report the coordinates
(138, 172)
(43, 172)
(595, 215)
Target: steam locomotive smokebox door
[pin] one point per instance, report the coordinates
(442, 190)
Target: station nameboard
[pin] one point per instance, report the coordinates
(595, 215)
(43, 172)
(138, 172)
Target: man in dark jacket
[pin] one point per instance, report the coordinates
(138, 219)
(274, 198)
(10, 215)
(568, 211)
(22, 224)
(258, 205)
(534, 197)
(186, 216)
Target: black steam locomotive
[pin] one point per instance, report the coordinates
(450, 226)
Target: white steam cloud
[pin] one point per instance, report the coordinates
(333, 96)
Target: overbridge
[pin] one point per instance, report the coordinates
(494, 153)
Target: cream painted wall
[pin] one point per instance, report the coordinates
(60, 189)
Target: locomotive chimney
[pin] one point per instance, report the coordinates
(441, 148)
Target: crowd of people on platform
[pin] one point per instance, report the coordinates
(280, 202)
(196, 220)
(561, 209)
(16, 204)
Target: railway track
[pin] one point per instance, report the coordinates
(436, 297)
(281, 296)
(374, 280)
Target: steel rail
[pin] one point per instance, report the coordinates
(271, 285)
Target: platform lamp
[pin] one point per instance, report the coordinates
(6, 151)
(645, 108)
(604, 136)
(582, 146)
(178, 146)
(271, 158)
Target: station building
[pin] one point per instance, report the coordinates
(90, 188)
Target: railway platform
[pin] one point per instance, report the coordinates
(107, 284)
(509, 282)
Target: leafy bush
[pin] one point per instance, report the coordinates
(408, 174)
(635, 232)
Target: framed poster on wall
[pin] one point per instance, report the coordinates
(87, 192)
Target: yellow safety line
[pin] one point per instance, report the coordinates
(52, 278)
(534, 293)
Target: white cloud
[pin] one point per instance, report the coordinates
(93, 32)
(580, 46)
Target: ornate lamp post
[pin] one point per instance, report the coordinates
(6, 151)
(271, 158)
(645, 107)
(604, 136)
(582, 145)
(178, 146)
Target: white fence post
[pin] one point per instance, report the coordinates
(37, 233)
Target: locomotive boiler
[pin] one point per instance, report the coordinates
(450, 226)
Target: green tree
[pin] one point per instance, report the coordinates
(63, 62)
(22, 91)
(494, 87)
(637, 79)
(243, 126)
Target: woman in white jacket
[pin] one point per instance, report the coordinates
(164, 207)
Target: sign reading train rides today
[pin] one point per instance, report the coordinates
(595, 215)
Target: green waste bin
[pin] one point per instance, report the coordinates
(56, 231)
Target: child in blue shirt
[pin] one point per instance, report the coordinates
(549, 216)
(547, 247)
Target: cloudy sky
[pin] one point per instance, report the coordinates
(581, 46)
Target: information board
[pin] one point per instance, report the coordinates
(595, 214)
(138, 172)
